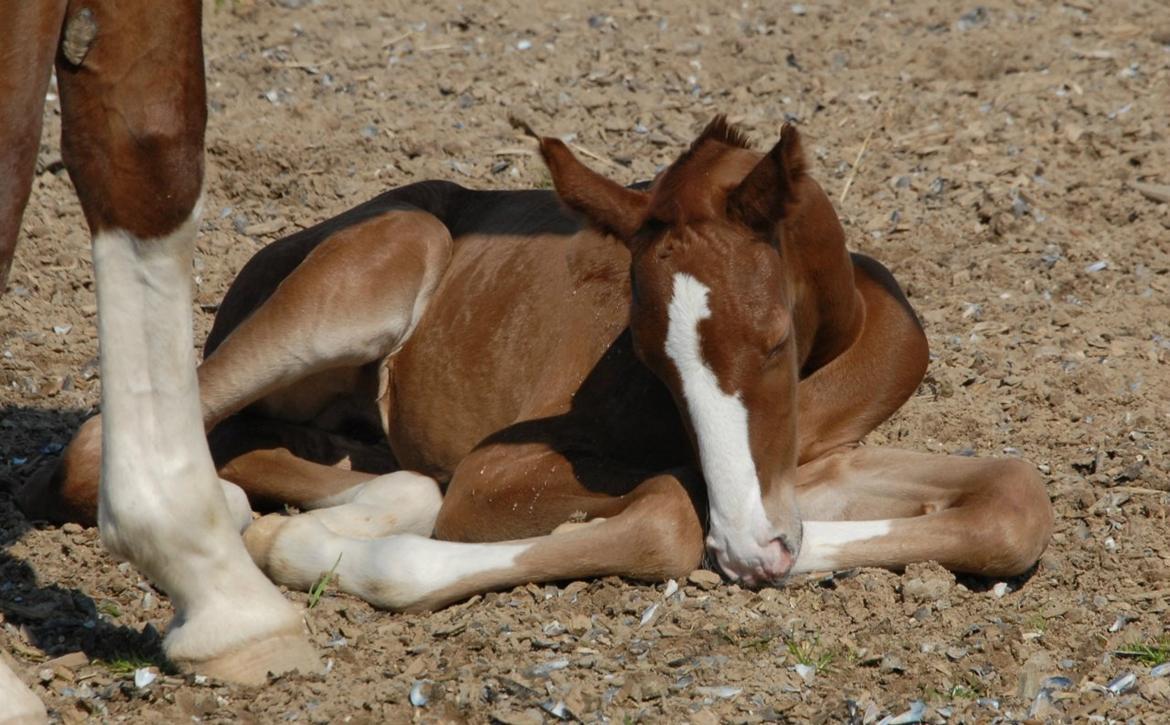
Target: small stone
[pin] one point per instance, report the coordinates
(806, 672)
(722, 692)
(704, 579)
(915, 714)
(73, 660)
(890, 663)
(544, 669)
(572, 589)
(972, 19)
(1042, 709)
(1122, 683)
(420, 693)
(956, 653)
(926, 583)
(143, 676)
(262, 228)
(649, 613)
(1056, 682)
(1000, 589)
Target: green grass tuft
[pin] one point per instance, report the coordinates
(811, 654)
(1148, 654)
(322, 583)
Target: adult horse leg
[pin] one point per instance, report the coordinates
(889, 508)
(513, 497)
(28, 42)
(133, 114)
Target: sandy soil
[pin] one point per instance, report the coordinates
(987, 154)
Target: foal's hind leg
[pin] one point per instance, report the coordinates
(889, 508)
(354, 299)
(651, 532)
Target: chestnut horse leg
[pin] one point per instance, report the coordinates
(28, 38)
(28, 42)
(650, 532)
(889, 508)
(133, 113)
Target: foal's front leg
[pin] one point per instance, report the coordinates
(652, 532)
(889, 508)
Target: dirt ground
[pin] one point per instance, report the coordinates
(992, 155)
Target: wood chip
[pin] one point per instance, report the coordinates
(1153, 192)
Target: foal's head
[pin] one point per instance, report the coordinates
(710, 315)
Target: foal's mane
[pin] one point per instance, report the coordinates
(667, 201)
(719, 130)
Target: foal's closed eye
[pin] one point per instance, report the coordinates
(781, 334)
(773, 355)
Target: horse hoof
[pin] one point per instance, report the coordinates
(261, 535)
(252, 663)
(18, 706)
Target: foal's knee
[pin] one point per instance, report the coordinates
(1022, 516)
(669, 541)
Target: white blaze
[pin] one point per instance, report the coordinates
(720, 422)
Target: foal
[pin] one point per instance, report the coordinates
(602, 381)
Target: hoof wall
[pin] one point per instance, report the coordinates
(252, 663)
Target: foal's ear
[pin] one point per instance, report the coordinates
(766, 193)
(606, 204)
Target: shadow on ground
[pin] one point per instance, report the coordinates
(39, 617)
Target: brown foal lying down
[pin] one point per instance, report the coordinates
(601, 380)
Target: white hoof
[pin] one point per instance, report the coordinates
(252, 663)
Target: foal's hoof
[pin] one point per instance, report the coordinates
(261, 535)
(252, 663)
